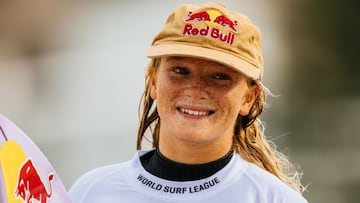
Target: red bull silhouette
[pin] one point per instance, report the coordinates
(224, 21)
(200, 16)
(30, 187)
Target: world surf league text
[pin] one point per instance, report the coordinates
(178, 190)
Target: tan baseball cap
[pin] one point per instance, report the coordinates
(212, 32)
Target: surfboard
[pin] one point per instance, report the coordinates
(26, 175)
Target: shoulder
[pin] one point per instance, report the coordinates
(268, 187)
(97, 182)
(88, 181)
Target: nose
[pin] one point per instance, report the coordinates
(197, 88)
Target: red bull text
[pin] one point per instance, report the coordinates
(30, 187)
(210, 31)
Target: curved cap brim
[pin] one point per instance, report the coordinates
(230, 60)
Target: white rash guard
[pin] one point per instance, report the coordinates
(238, 182)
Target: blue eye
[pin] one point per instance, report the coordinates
(181, 70)
(221, 76)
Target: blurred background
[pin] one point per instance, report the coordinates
(71, 77)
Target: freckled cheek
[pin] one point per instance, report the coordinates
(168, 87)
(230, 105)
(166, 95)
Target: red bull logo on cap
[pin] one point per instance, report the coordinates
(30, 187)
(212, 19)
(200, 16)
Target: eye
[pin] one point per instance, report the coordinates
(221, 76)
(181, 70)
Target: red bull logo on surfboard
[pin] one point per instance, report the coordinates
(26, 176)
(212, 19)
(30, 187)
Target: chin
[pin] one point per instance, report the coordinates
(194, 138)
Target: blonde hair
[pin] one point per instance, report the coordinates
(248, 140)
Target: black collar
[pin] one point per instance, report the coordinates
(158, 165)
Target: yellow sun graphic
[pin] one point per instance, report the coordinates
(213, 14)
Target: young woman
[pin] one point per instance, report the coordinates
(201, 104)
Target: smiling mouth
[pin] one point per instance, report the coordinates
(193, 112)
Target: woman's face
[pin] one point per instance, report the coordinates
(198, 101)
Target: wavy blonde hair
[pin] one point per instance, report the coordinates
(248, 140)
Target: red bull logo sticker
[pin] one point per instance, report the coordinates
(25, 173)
(212, 19)
(30, 187)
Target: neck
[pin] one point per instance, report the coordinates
(194, 153)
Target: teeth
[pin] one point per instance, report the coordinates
(194, 113)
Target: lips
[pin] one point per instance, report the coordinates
(195, 112)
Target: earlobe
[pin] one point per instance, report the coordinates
(153, 92)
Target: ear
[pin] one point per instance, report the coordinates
(153, 88)
(248, 100)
